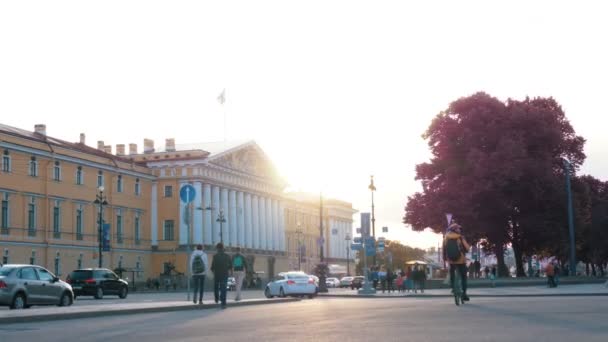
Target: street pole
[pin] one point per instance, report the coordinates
(372, 188)
(101, 201)
(347, 238)
(221, 219)
(188, 226)
(567, 167)
(367, 288)
(322, 285)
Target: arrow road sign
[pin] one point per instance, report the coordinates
(187, 193)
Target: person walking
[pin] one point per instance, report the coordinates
(198, 269)
(550, 272)
(221, 267)
(239, 269)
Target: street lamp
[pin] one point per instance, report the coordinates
(299, 237)
(100, 200)
(372, 188)
(567, 170)
(220, 218)
(347, 238)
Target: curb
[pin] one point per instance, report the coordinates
(523, 295)
(39, 317)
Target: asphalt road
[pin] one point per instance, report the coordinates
(346, 319)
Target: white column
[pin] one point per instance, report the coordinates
(154, 214)
(248, 222)
(215, 204)
(207, 221)
(255, 216)
(282, 227)
(268, 229)
(225, 209)
(240, 212)
(198, 214)
(263, 241)
(274, 235)
(232, 209)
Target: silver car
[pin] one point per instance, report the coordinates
(22, 286)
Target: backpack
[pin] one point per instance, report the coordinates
(198, 266)
(452, 249)
(237, 263)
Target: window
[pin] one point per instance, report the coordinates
(5, 257)
(168, 230)
(137, 187)
(119, 184)
(79, 266)
(28, 273)
(99, 178)
(33, 258)
(119, 235)
(79, 222)
(137, 230)
(56, 221)
(120, 262)
(6, 161)
(44, 275)
(79, 178)
(57, 172)
(4, 218)
(57, 266)
(168, 191)
(138, 267)
(33, 167)
(31, 217)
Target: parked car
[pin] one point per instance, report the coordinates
(291, 284)
(316, 280)
(22, 286)
(332, 282)
(97, 282)
(357, 282)
(346, 281)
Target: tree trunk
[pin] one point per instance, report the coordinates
(502, 269)
(593, 270)
(519, 264)
(601, 266)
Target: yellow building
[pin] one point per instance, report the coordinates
(48, 188)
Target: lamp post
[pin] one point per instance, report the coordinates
(347, 238)
(322, 276)
(220, 218)
(299, 237)
(100, 200)
(372, 188)
(567, 168)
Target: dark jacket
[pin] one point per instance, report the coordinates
(221, 265)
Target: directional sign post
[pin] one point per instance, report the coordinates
(187, 194)
(381, 246)
(357, 239)
(356, 246)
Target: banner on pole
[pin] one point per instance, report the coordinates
(106, 237)
(365, 224)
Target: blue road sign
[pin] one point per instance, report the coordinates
(187, 193)
(106, 237)
(369, 241)
(365, 224)
(380, 246)
(357, 239)
(356, 246)
(370, 250)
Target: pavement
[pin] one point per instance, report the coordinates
(538, 319)
(577, 290)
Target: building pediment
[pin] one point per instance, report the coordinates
(247, 158)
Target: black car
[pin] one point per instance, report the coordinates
(97, 282)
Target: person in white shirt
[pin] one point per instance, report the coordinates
(198, 268)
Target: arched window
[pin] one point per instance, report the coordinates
(6, 161)
(33, 170)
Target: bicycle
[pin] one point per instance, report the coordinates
(457, 289)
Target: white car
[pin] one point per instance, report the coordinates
(332, 282)
(291, 284)
(346, 281)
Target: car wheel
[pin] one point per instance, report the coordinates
(123, 292)
(281, 293)
(99, 293)
(267, 293)
(19, 301)
(311, 296)
(65, 300)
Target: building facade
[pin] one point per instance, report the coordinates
(48, 215)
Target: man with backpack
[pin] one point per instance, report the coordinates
(198, 269)
(455, 248)
(239, 268)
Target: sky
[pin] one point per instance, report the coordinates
(333, 91)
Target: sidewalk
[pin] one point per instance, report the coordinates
(515, 291)
(51, 313)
